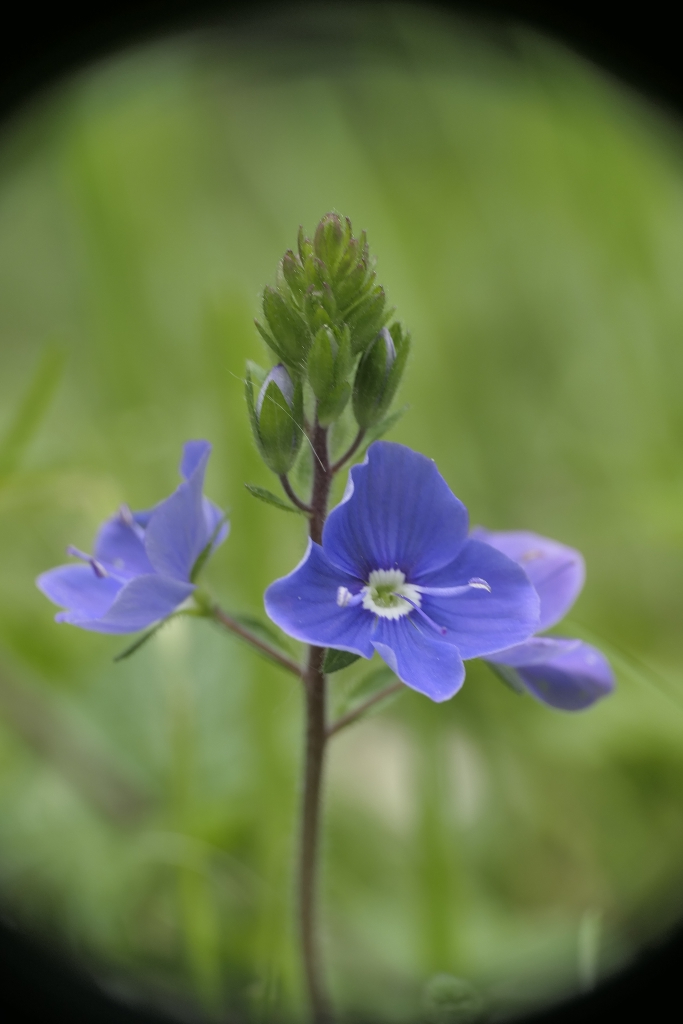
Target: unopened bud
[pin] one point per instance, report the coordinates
(289, 336)
(276, 419)
(331, 239)
(378, 375)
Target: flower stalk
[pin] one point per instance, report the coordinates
(314, 759)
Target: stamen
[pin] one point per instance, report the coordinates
(420, 611)
(478, 584)
(474, 584)
(96, 566)
(345, 599)
(127, 518)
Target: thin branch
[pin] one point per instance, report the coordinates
(357, 712)
(289, 491)
(336, 466)
(225, 620)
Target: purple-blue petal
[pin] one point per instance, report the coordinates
(479, 622)
(118, 545)
(557, 572)
(537, 650)
(419, 658)
(397, 512)
(304, 605)
(176, 532)
(78, 588)
(572, 677)
(217, 525)
(194, 452)
(139, 603)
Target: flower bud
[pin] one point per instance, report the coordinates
(276, 418)
(329, 362)
(378, 375)
(331, 239)
(288, 335)
(322, 358)
(366, 319)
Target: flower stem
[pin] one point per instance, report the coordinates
(349, 452)
(357, 712)
(222, 618)
(295, 500)
(316, 740)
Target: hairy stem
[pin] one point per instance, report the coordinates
(316, 739)
(349, 452)
(355, 713)
(295, 500)
(271, 652)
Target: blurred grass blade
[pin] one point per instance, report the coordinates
(32, 409)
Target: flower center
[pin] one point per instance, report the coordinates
(385, 594)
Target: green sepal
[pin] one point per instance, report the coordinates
(249, 395)
(294, 273)
(272, 499)
(367, 319)
(270, 341)
(322, 359)
(205, 553)
(509, 676)
(331, 408)
(378, 376)
(287, 325)
(279, 432)
(331, 238)
(337, 660)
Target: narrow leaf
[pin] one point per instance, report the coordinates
(272, 499)
(141, 640)
(337, 660)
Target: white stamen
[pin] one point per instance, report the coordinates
(478, 584)
(386, 592)
(344, 597)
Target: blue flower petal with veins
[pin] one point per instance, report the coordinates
(397, 574)
(563, 673)
(142, 566)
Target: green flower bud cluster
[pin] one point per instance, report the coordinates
(326, 323)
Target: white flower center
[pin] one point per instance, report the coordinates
(385, 594)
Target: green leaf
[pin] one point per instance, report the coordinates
(272, 499)
(137, 644)
(337, 660)
(206, 551)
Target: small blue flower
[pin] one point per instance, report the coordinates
(566, 674)
(142, 568)
(397, 574)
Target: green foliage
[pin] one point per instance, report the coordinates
(337, 660)
(271, 499)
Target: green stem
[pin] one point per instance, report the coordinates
(216, 613)
(355, 713)
(316, 740)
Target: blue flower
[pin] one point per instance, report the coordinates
(144, 562)
(566, 674)
(397, 574)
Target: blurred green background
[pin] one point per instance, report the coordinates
(527, 217)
